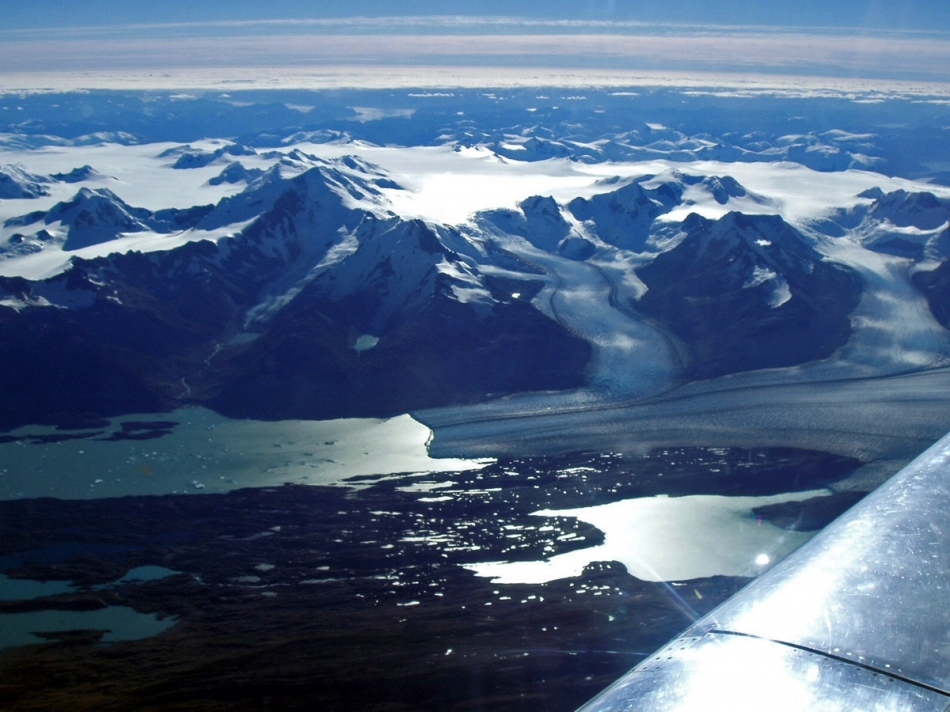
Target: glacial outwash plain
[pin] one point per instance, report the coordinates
(442, 396)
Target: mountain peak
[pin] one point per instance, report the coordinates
(17, 183)
(747, 292)
(922, 210)
(95, 215)
(623, 217)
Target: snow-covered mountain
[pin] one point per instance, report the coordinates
(93, 216)
(623, 217)
(269, 322)
(15, 182)
(324, 276)
(749, 291)
(825, 151)
(911, 224)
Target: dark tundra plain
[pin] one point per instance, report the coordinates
(456, 400)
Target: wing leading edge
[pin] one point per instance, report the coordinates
(857, 619)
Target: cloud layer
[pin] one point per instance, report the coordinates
(479, 42)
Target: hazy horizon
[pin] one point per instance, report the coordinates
(853, 40)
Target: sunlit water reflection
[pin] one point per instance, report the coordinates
(208, 452)
(668, 539)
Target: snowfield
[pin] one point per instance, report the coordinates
(894, 332)
(441, 185)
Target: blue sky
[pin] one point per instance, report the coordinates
(872, 14)
(851, 39)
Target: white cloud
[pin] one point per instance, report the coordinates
(478, 42)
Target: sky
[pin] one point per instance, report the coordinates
(878, 14)
(869, 39)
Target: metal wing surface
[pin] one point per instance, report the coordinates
(856, 619)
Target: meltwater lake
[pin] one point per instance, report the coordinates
(187, 536)
(195, 450)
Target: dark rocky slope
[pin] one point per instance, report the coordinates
(748, 292)
(264, 324)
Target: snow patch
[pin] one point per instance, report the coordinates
(781, 294)
(365, 342)
(54, 260)
(760, 275)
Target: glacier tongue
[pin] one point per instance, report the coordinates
(630, 358)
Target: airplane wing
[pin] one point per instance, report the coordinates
(856, 619)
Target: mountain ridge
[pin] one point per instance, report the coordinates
(312, 282)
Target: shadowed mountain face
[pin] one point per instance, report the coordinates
(288, 281)
(95, 216)
(442, 338)
(748, 292)
(936, 287)
(327, 305)
(922, 210)
(266, 324)
(17, 183)
(623, 217)
(447, 353)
